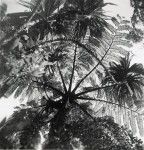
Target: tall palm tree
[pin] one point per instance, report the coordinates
(130, 92)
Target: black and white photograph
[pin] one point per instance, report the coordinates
(72, 74)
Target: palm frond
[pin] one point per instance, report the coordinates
(131, 91)
(2, 122)
(62, 78)
(73, 69)
(112, 42)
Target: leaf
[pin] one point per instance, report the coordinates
(3, 122)
(3, 90)
(112, 45)
(123, 43)
(10, 45)
(51, 5)
(125, 27)
(20, 90)
(140, 123)
(119, 50)
(12, 87)
(115, 21)
(133, 124)
(137, 68)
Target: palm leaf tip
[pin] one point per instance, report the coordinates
(3, 122)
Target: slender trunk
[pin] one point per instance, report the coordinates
(59, 137)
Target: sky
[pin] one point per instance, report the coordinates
(121, 7)
(13, 6)
(7, 106)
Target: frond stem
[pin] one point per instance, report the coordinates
(73, 69)
(88, 114)
(53, 88)
(105, 101)
(86, 48)
(93, 68)
(97, 88)
(62, 78)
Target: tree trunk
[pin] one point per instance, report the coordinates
(59, 136)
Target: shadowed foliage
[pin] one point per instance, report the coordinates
(132, 78)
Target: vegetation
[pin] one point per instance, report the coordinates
(78, 131)
(138, 10)
(131, 92)
(64, 58)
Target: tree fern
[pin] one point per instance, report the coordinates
(113, 44)
(63, 69)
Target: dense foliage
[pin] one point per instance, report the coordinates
(132, 91)
(138, 12)
(22, 131)
(63, 58)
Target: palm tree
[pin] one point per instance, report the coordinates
(130, 92)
